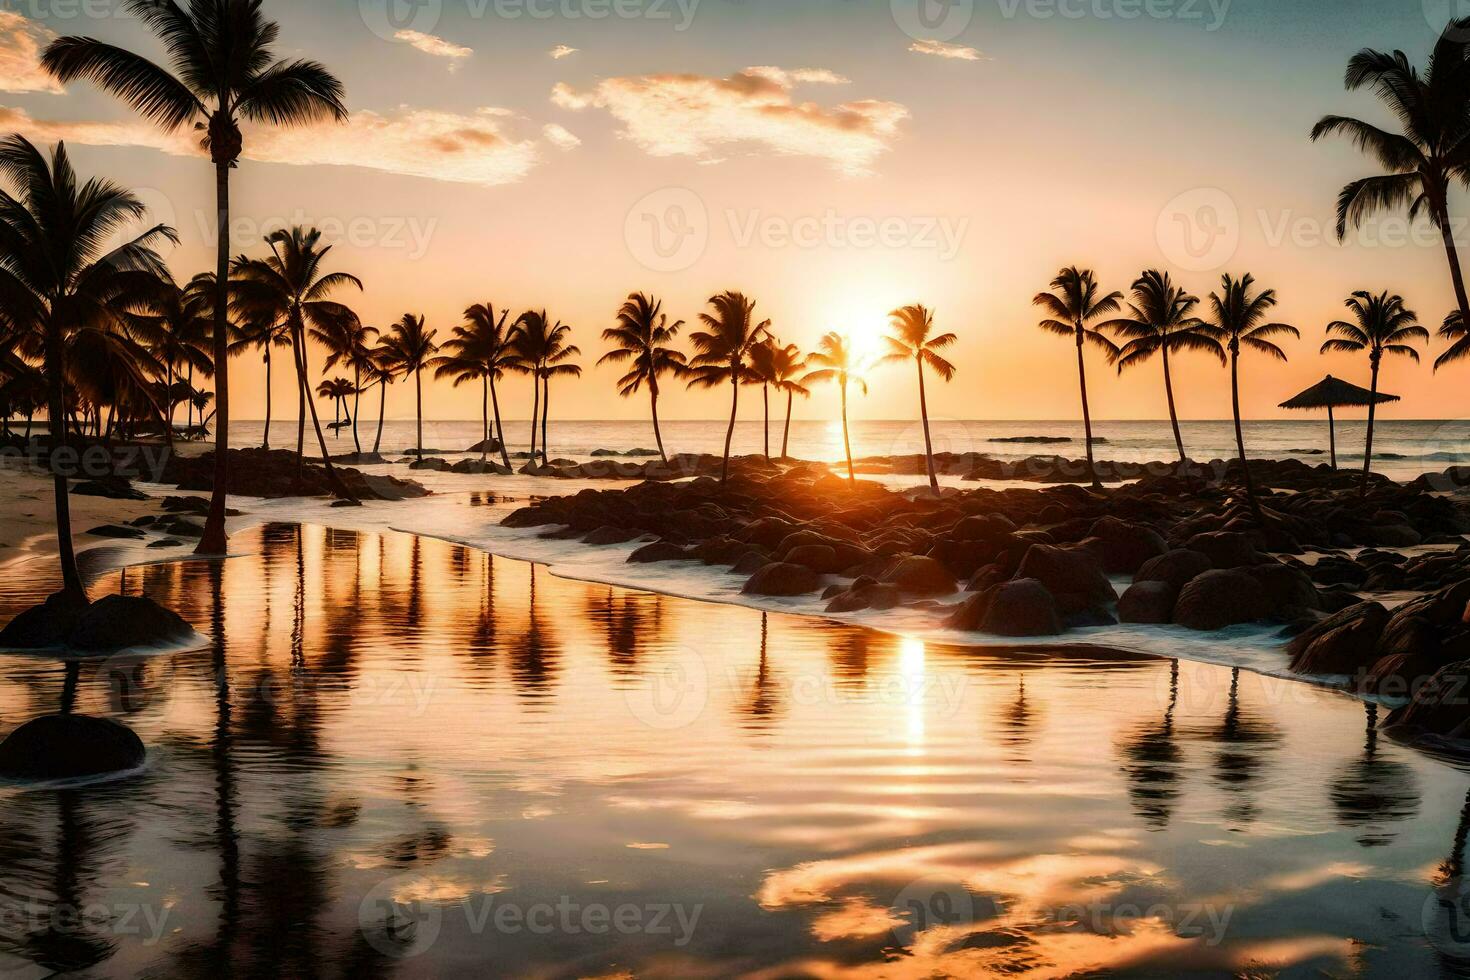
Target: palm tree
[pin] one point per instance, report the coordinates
(722, 352)
(555, 362)
(1382, 325)
(348, 343)
(407, 349)
(1238, 315)
(835, 355)
(910, 340)
(762, 371)
(263, 333)
(60, 287)
(789, 366)
(643, 335)
(1162, 322)
(339, 390)
(175, 322)
(528, 347)
(291, 286)
(480, 351)
(381, 372)
(1432, 152)
(1070, 312)
(224, 71)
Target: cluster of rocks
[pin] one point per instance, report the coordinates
(681, 466)
(108, 625)
(273, 474)
(470, 467)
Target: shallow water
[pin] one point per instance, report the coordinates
(404, 757)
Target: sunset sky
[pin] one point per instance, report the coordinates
(833, 159)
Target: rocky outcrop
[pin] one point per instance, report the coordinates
(109, 625)
(1343, 643)
(69, 747)
(1219, 598)
(1148, 602)
(272, 473)
(783, 579)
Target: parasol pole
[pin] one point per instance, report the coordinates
(1332, 437)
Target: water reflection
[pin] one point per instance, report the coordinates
(384, 725)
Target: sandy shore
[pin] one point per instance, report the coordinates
(28, 514)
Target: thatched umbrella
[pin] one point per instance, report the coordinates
(1331, 393)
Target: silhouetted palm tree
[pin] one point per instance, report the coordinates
(762, 371)
(223, 71)
(263, 331)
(723, 349)
(175, 322)
(837, 363)
(349, 343)
(531, 333)
(1238, 314)
(480, 351)
(789, 368)
(381, 372)
(643, 336)
(1382, 325)
(291, 286)
(910, 340)
(58, 285)
(555, 363)
(339, 390)
(1073, 302)
(1162, 322)
(1432, 152)
(406, 350)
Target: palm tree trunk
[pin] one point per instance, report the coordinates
(55, 356)
(168, 394)
(1169, 393)
(545, 416)
(333, 480)
(356, 407)
(189, 426)
(1245, 469)
(499, 429)
(786, 434)
(1332, 437)
(418, 383)
(301, 396)
(730, 430)
(214, 539)
(766, 410)
(265, 442)
(1086, 414)
(382, 410)
(924, 416)
(657, 436)
(535, 411)
(484, 416)
(1368, 449)
(1452, 253)
(847, 442)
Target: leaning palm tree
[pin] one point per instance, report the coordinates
(910, 341)
(480, 351)
(723, 348)
(556, 358)
(349, 344)
(58, 285)
(837, 363)
(1429, 156)
(380, 370)
(1072, 304)
(762, 371)
(291, 286)
(643, 335)
(1238, 320)
(789, 368)
(1381, 325)
(223, 72)
(1161, 321)
(406, 350)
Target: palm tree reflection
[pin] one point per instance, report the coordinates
(1152, 763)
(1371, 792)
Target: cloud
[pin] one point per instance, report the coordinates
(562, 51)
(692, 115)
(436, 46)
(474, 148)
(560, 137)
(941, 49)
(21, 43)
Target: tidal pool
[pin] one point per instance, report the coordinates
(403, 757)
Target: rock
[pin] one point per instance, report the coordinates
(1343, 643)
(1122, 547)
(69, 747)
(184, 529)
(1219, 598)
(818, 557)
(485, 446)
(111, 487)
(1093, 616)
(612, 535)
(1072, 576)
(1289, 591)
(116, 531)
(1225, 549)
(1392, 536)
(658, 551)
(969, 614)
(1148, 602)
(1022, 607)
(166, 543)
(920, 575)
(750, 564)
(873, 595)
(1439, 707)
(1175, 567)
(431, 463)
(43, 627)
(983, 527)
(783, 579)
(116, 623)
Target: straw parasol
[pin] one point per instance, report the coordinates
(1330, 393)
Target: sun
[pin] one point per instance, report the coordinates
(864, 326)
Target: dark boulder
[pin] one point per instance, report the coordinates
(819, 558)
(921, 575)
(1439, 707)
(872, 595)
(607, 534)
(1219, 598)
(1022, 607)
(69, 747)
(1176, 567)
(753, 562)
(1071, 575)
(1289, 591)
(658, 551)
(1121, 546)
(1226, 549)
(117, 531)
(1148, 602)
(43, 627)
(1344, 643)
(783, 579)
(111, 487)
(116, 622)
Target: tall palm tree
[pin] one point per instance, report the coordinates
(349, 344)
(263, 333)
(338, 390)
(223, 72)
(531, 335)
(480, 351)
(910, 339)
(1238, 320)
(380, 370)
(643, 335)
(1381, 325)
(762, 371)
(59, 286)
(556, 358)
(1161, 321)
(1429, 156)
(176, 322)
(291, 286)
(1072, 304)
(723, 348)
(406, 350)
(788, 368)
(837, 363)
